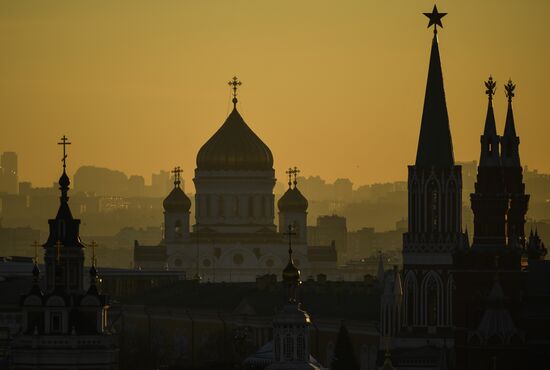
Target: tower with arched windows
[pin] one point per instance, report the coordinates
(434, 202)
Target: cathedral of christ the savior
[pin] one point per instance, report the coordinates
(234, 237)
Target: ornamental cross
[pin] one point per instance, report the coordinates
(435, 18)
(295, 172)
(290, 233)
(64, 142)
(509, 90)
(234, 83)
(491, 87)
(177, 175)
(58, 250)
(93, 246)
(289, 173)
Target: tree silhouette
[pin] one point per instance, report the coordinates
(344, 356)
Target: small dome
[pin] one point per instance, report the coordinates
(177, 201)
(293, 201)
(291, 274)
(235, 147)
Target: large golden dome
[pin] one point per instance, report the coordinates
(235, 147)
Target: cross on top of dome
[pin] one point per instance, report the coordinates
(235, 83)
(177, 171)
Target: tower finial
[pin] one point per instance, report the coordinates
(509, 90)
(64, 141)
(289, 173)
(435, 18)
(290, 234)
(295, 172)
(235, 83)
(177, 176)
(491, 87)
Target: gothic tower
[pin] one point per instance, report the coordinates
(434, 202)
(513, 175)
(489, 202)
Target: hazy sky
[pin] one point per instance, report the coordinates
(333, 87)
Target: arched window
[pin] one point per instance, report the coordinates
(433, 207)
(287, 347)
(432, 300)
(410, 302)
(301, 347)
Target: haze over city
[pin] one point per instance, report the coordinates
(334, 88)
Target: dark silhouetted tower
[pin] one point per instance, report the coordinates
(490, 201)
(513, 175)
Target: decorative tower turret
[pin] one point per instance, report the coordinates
(293, 208)
(489, 202)
(291, 340)
(434, 230)
(64, 252)
(176, 212)
(513, 175)
(64, 327)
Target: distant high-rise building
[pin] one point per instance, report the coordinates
(160, 183)
(8, 173)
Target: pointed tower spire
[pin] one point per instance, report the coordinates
(490, 156)
(291, 274)
(510, 140)
(435, 147)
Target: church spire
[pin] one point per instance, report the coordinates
(489, 140)
(510, 140)
(291, 274)
(435, 147)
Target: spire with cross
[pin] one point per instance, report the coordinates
(435, 18)
(235, 83)
(290, 233)
(177, 171)
(64, 141)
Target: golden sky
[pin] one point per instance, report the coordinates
(333, 87)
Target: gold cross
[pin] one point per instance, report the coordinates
(289, 173)
(177, 175)
(64, 142)
(235, 83)
(290, 233)
(295, 172)
(58, 249)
